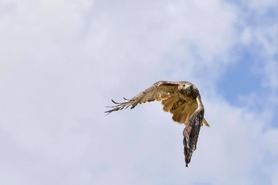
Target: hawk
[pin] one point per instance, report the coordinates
(183, 100)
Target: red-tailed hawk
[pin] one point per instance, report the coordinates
(183, 100)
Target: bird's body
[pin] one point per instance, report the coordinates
(183, 100)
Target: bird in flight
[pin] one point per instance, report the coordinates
(183, 100)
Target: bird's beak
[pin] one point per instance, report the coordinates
(186, 86)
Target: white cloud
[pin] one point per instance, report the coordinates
(175, 33)
(63, 60)
(260, 7)
(259, 34)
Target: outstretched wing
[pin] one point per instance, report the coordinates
(157, 92)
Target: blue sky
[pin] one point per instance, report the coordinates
(62, 62)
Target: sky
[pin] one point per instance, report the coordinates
(63, 61)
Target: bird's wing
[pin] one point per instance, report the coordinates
(157, 92)
(191, 132)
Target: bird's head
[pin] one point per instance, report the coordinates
(188, 89)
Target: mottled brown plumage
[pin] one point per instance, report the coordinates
(183, 100)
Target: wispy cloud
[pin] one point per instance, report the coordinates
(62, 61)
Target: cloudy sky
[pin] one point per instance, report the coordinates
(62, 61)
